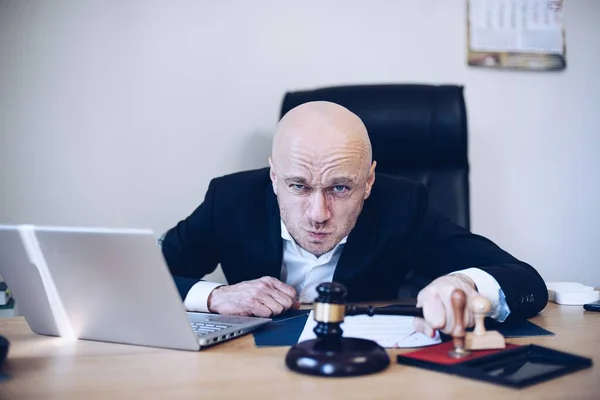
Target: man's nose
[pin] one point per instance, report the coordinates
(319, 211)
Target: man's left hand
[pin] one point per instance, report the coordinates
(437, 305)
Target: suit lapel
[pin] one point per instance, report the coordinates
(273, 245)
(358, 249)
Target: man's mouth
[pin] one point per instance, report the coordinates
(318, 235)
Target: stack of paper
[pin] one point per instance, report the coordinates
(389, 331)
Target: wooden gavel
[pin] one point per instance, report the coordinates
(331, 354)
(330, 309)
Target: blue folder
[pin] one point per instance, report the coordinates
(284, 330)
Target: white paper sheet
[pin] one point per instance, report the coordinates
(389, 331)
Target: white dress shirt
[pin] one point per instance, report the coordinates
(304, 272)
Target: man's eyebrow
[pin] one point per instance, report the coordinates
(295, 179)
(342, 180)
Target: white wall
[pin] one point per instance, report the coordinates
(117, 113)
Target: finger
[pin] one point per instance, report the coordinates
(429, 332)
(266, 299)
(282, 298)
(434, 312)
(423, 294)
(419, 324)
(277, 284)
(469, 318)
(423, 327)
(450, 317)
(258, 309)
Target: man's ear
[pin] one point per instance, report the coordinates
(273, 175)
(370, 180)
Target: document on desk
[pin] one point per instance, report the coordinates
(389, 331)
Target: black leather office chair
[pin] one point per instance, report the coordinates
(417, 132)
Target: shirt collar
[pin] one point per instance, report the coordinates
(285, 235)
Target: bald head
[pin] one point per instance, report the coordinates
(322, 172)
(322, 126)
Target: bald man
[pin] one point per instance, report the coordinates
(318, 214)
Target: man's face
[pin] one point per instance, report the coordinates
(321, 192)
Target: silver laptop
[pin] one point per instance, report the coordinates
(108, 285)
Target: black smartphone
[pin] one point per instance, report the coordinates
(595, 306)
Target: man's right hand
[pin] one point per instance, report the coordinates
(264, 297)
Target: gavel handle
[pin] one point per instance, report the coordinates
(396, 309)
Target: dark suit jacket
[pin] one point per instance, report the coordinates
(238, 226)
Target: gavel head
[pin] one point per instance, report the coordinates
(329, 309)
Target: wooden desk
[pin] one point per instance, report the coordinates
(52, 368)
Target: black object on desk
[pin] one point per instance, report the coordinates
(516, 367)
(330, 354)
(594, 306)
(4, 345)
(395, 309)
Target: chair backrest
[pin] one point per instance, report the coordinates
(416, 131)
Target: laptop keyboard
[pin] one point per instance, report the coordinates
(203, 328)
